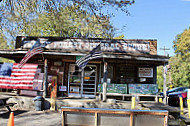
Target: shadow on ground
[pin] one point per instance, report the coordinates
(6, 114)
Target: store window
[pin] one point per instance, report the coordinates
(125, 74)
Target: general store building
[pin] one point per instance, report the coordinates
(131, 65)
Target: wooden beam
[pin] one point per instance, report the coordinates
(63, 118)
(96, 119)
(105, 82)
(45, 78)
(131, 119)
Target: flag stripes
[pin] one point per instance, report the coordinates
(94, 54)
(21, 78)
(29, 54)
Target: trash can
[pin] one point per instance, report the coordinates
(39, 103)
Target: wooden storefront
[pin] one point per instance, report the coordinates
(130, 62)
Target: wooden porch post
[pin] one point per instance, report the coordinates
(164, 85)
(105, 82)
(45, 80)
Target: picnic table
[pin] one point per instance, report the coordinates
(3, 103)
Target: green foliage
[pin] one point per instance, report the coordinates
(3, 42)
(70, 21)
(16, 15)
(120, 37)
(67, 20)
(180, 71)
(3, 45)
(182, 44)
(180, 63)
(160, 79)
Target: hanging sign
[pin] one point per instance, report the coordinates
(146, 72)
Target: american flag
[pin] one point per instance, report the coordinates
(13, 77)
(94, 54)
(37, 48)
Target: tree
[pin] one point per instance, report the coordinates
(182, 44)
(160, 78)
(70, 21)
(95, 6)
(180, 71)
(180, 66)
(120, 37)
(17, 13)
(3, 45)
(180, 63)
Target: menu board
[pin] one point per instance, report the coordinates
(151, 89)
(114, 88)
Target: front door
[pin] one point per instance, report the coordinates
(82, 83)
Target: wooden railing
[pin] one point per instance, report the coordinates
(112, 117)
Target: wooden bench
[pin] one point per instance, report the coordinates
(113, 117)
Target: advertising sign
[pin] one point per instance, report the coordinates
(62, 88)
(114, 88)
(151, 89)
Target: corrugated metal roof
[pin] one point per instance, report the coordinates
(111, 55)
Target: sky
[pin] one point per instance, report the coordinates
(155, 19)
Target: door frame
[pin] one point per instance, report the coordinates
(81, 95)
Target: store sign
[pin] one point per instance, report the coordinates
(146, 72)
(62, 88)
(106, 45)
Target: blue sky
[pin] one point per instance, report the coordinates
(155, 19)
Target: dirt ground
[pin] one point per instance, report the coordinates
(31, 118)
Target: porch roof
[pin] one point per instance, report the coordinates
(19, 54)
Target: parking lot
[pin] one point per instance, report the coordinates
(31, 118)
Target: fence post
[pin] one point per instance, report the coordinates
(133, 102)
(181, 104)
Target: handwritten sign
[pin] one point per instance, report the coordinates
(146, 72)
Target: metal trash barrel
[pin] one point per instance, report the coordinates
(39, 103)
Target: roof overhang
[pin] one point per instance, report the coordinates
(18, 54)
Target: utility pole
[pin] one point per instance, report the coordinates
(164, 75)
(165, 50)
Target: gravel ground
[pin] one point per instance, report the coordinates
(31, 118)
